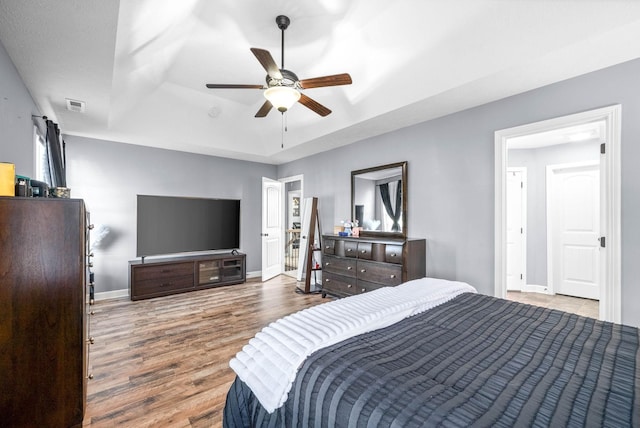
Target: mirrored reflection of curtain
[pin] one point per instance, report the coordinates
(55, 155)
(394, 214)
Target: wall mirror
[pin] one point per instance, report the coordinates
(379, 200)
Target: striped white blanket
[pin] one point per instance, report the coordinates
(269, 362)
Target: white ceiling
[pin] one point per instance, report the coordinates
(141, 65)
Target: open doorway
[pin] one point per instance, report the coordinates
(293, 193)
(549, 150)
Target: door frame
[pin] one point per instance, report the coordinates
(610, 208)
(551, 256)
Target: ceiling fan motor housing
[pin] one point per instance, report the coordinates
(289, 79)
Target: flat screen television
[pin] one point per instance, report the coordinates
(169, 225)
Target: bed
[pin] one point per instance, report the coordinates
(462, 359)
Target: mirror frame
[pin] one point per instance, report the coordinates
(375, 233)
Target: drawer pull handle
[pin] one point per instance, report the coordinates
(349, 267)
(326, 264)
(363, 270)
(348, 285)
(91, 340)
(393, 255)
(363, 251)
(327, 280)
(348, 250)
(393, 275)
(364, 289)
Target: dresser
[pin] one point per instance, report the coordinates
(353, 265)
(44, 333)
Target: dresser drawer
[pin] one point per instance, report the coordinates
(364, 286)
(365, 250)
(393, 254)
(338, 265)
(143, 273)
(329, 246)
(338, 285)
(350, 249)
(160, 286)
(380, 273)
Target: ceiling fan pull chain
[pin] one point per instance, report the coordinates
(282, 133)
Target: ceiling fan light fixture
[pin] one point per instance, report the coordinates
(282, 97)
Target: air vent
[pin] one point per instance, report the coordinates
(75, 105)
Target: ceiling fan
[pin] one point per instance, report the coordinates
(283, 87)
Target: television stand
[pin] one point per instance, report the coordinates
(182, 274)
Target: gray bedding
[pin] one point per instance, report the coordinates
(474, 361)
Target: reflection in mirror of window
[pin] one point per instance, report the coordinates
(41, 160)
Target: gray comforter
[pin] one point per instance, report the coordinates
(474, 361)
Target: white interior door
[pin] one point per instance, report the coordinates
(573, 206)
(516, 215)
(272, 229)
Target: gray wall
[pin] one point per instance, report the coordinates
(536, 161)
(109, 175)
(16, 124)
(451, 175)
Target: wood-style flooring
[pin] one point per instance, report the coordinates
(164, 362)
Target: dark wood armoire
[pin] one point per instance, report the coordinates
(43, 313)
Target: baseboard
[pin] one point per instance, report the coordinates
(533, 288)
(255, 274)
(115, 294)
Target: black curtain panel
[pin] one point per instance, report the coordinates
(55, 155)
(386, 200)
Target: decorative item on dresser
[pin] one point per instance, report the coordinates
(181, 274)
(353, 265)
(43, 317)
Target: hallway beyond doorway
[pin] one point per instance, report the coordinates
(574, 305)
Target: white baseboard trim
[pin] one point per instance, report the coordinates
(533, 288)
(115, 294)
(255, 274)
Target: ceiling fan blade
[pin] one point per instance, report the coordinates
(268, 63)
(314, 105)
(334, 80)
(265, 109)
(232, 86)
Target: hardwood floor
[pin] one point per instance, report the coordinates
(165, 361)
